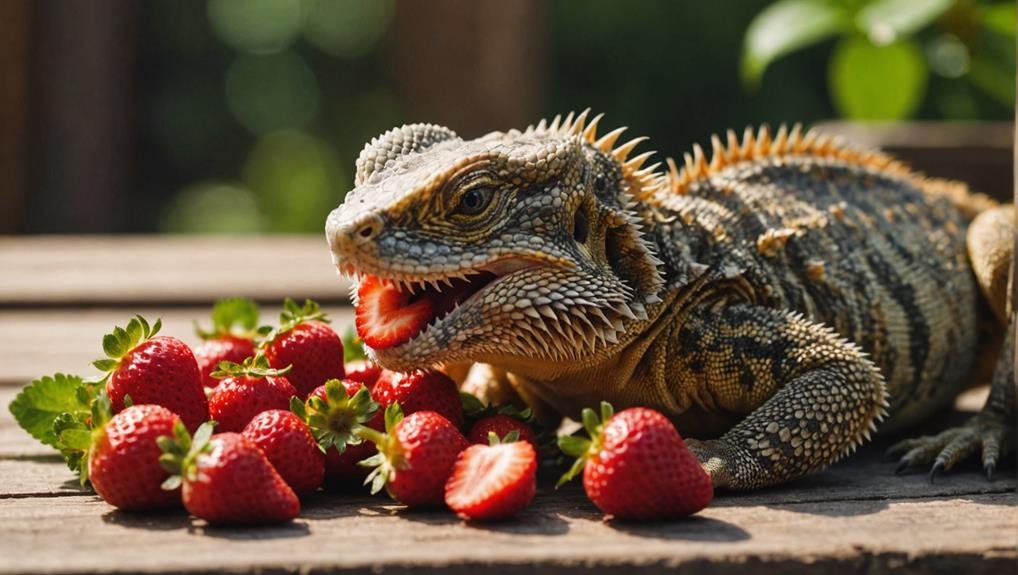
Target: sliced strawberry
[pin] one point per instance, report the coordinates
(385, 315)
(492, 481)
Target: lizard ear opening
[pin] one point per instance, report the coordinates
(580, 230)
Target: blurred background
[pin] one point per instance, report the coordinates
(246, 116)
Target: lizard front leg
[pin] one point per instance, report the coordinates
(808, 395)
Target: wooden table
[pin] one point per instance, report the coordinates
(59, 295)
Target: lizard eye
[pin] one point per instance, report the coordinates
(474, 201)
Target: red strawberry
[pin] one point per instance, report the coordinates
(234, 321)
(160, 370)
(419, 391)
(415, 456)
(305, 341)
(636, 466)
(210, 353)
(332, 412)
(493, 481)
(289, 446)
(226, 479)
(247, 390)
(124, 459)
(363, 371)
(385, 316)
(501, 425)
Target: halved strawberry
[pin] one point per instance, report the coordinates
(492, 481)
(385, 315)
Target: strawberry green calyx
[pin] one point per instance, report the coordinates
(122, 340)
(583, 447)
(233, 316)
(511, 437)
(181, 450)
(336, 420)
(292, 316)
(353, 345)
(389, 458)
(76, 434)
(474, 408)
(256, 367)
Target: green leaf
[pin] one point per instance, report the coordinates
(991, 79)
(353, 347)
(999, 17)
(111, 345)
(590, 421)
(172, 482)
(236, 316)
(77, 439)
(784, 27)
(472, 406)
(202, 435)
(573, 445)
(393, 415)
(574, 470)
(42, 400)
(105, 365)
(887, 21)
(870, 82)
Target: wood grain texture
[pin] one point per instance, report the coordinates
(122, 270)
(560, 532)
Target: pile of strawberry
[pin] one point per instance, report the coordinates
(243, 426)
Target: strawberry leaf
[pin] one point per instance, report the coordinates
(44, 399)
(353, 347)
(236, 316)
(256, 367)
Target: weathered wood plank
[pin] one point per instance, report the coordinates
(42, 341)
(65, 270)
(560, 532)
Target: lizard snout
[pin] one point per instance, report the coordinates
(348, 236)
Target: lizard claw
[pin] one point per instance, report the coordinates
(944, 450)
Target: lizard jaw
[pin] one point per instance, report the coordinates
(446, 295)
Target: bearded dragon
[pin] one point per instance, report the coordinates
(780, 298)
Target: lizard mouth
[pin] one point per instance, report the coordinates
(392, 310)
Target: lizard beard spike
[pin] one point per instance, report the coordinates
(407, 139)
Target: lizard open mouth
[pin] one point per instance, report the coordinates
(391, 312)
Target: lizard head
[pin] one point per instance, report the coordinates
(515, 246)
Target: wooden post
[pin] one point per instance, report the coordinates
(15, 40)
(83, 79)
(472, 66)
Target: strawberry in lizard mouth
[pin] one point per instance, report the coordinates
(392, 312)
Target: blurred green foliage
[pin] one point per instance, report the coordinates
(886, 49)
(252, 112)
